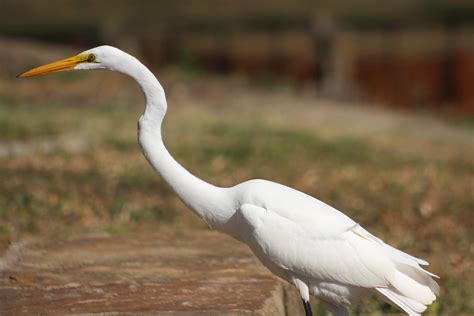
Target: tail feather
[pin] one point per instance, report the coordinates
(411, 288)
(411, 277)
(403, 257)
(409, 306)
(421, 276)
(392, 252)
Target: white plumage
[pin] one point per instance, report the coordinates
(302, 239)
(299, 238)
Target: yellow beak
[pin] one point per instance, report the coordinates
(61, 65)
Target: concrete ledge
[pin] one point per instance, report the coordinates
(159, 273)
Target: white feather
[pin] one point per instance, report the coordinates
(411, 307)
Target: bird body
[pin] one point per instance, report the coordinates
(297, 237)
(324, 252)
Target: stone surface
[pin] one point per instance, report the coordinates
(160, 273)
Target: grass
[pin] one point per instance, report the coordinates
(19, 123)
(419, 202)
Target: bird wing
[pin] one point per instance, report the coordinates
(322, 245)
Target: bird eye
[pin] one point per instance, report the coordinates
(91, 58)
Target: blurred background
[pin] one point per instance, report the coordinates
(368, 106)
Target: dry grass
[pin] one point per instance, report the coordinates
(69, 162)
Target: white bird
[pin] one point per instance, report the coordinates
(297, 237)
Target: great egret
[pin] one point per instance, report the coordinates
(297, 237)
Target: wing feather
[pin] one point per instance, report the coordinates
(340, 256)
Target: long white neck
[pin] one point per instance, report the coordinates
(213, 204)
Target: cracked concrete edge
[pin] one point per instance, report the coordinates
(291, 300)
(275, 304)
(284, 301)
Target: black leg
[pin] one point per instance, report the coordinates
(307, 308)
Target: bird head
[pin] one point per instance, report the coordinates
(102, 57)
